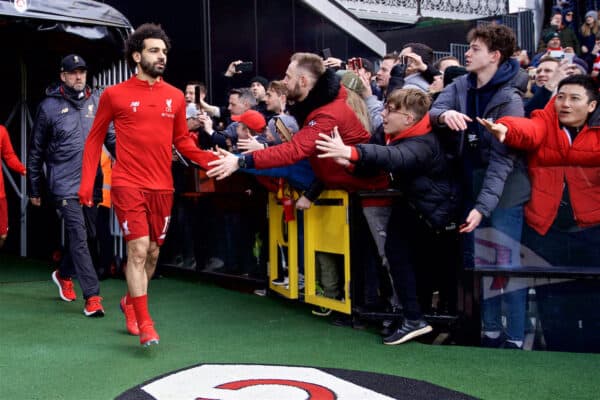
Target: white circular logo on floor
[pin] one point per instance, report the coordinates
(266, 382)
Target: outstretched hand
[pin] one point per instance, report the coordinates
(333, 146)
(498, 130)
(250, 144)
(455, 120)
(226, 165)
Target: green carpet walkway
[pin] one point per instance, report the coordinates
(49, 350)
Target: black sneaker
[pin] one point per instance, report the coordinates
(511, 345)
(408, 331)
(497, 342)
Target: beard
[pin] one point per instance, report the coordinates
(294, 94)
(153, 70)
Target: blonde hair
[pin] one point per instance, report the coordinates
(310, 62)
(413, 100)
(587, 31)
(358, 105)
(278, 87)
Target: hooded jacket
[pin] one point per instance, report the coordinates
(554, 161)
(418, 166)
(324, 108)
(62, 124)
(504, 181)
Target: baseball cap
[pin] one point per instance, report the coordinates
(351, 81)
(252, 119)
(72, 62)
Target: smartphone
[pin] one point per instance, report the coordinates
(558, 54)
(326, 53)
(197, 94)
(244, 67)
(358, 63)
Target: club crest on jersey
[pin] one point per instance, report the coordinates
(312, 122)
(64, 110)
(169, 105)
(21, 5)
(134, 105)
(90, 111)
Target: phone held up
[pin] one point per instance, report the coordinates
(355, 63)
(244, 66)
(326, 53)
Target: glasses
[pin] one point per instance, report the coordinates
(390, 110)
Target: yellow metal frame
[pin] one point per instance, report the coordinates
(276, 238)
(327, 229)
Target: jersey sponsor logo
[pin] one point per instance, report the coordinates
(276, 382)
(134, 105)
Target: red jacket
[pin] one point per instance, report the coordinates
(554, 160)
(322, 120)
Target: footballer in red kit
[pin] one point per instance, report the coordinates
(149, 118)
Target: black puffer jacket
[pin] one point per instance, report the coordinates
(419, 169)
(62, 123)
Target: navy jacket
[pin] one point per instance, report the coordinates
(502, 180)
(61, 126)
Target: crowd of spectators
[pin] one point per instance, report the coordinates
(488, 157)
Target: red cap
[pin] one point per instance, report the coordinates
(252, 119)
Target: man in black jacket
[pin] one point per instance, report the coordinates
(62, 123)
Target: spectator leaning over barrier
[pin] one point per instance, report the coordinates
(318, 104)
(563, 218)
(424, 218)
(494, 176)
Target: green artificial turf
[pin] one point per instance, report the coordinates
(49, 350)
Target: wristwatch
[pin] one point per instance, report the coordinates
(242, 161)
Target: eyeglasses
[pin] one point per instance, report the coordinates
(390, 110)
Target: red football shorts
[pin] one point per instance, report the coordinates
(3, 217)
(143, 212)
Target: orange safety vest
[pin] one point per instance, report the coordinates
(106, 165)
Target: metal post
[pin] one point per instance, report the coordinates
(23, 137)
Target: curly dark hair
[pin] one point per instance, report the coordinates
(495, 37)
(135, 41)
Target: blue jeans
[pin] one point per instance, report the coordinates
(505, 237)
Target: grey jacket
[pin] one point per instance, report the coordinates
(505, 182)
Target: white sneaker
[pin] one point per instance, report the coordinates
(281, 281)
